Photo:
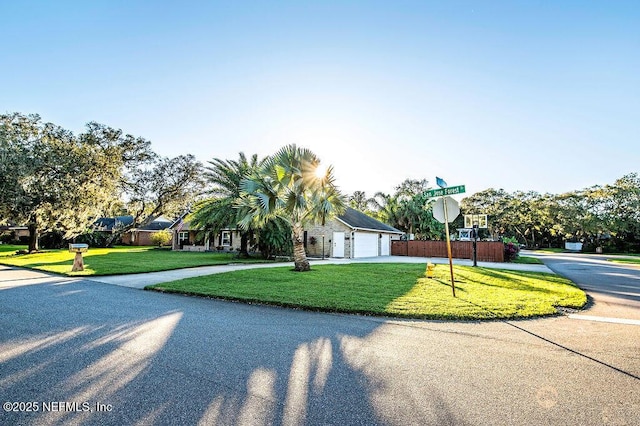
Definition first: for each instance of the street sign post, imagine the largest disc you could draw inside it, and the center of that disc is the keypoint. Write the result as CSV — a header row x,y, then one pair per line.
x,y
446,227
441,211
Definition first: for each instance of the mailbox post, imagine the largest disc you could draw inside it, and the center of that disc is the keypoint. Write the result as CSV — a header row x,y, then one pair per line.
x,y
78,262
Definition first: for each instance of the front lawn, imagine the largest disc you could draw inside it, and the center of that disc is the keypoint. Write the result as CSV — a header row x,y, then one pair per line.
x,y
10,249
119,260
627,260
393,290
528,260
550,250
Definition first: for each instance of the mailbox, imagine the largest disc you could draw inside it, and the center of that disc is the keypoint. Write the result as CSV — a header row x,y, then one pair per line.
x,y
78,248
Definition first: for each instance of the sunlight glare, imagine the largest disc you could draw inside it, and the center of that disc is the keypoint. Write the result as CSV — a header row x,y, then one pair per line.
x,y
321,171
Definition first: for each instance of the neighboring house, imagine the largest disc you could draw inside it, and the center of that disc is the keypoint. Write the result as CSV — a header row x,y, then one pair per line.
x,y
351,235
142,236
17,232
187,238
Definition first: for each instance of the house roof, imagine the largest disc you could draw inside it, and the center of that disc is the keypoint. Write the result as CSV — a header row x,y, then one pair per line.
x,y
359,221
109,223
186,226
10,226
157,224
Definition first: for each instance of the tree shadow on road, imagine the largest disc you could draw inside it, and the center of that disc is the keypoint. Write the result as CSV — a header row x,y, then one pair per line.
x,y
114,355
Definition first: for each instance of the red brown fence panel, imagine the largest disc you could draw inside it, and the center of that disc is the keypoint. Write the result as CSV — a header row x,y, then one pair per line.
x,y
487,251
399,248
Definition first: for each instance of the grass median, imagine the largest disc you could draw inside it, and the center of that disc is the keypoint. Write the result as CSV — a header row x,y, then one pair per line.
x,y
117,260
399,290
625,260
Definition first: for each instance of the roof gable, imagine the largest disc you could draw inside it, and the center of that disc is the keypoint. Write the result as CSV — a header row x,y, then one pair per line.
x,y
358,220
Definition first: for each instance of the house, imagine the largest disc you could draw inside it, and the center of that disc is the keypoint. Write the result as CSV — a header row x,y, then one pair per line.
x,y
188,238
142,236
14,233
352,234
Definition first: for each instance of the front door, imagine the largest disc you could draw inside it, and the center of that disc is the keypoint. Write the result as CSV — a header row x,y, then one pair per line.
x,y
338,244
385,245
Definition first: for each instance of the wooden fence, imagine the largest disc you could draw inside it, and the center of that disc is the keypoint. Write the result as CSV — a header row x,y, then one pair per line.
x,y
488,251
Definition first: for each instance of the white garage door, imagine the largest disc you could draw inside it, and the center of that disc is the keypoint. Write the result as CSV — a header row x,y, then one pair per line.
x,y
365,244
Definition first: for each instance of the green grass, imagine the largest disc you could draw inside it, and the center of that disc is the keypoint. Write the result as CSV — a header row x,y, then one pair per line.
x,y
117,260
550,250
399,290
528,260
10,249
628,260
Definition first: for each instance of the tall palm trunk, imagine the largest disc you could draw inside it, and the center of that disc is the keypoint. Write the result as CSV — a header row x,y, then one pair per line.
x,y
299,255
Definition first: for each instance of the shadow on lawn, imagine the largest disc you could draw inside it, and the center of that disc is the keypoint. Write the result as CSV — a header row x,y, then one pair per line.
x,y
514,280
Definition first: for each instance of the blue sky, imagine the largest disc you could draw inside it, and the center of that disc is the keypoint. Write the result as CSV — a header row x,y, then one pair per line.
x,y
520,95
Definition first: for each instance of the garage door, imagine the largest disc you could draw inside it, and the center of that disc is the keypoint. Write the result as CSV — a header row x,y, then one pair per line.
x,y
365,244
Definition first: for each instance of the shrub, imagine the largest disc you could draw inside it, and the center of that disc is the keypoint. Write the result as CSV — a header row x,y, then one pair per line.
x,y
50,240
7,237
161,238
511,249
94,239
274,239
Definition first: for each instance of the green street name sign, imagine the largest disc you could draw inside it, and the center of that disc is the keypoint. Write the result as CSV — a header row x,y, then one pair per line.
x,y
445,191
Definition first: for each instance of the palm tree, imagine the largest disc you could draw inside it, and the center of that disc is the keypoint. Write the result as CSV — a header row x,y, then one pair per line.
x,y
359,201
385,208
291,187
217,212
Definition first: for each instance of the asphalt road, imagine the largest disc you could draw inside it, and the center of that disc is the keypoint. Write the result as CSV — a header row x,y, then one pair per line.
x,y
83,352
613,288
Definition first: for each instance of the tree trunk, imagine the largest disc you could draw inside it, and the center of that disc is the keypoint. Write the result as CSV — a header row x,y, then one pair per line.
x,y
244,244
33,238
533,237
299,255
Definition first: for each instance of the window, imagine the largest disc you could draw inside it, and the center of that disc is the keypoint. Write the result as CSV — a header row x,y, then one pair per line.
x,y
183,236
226,238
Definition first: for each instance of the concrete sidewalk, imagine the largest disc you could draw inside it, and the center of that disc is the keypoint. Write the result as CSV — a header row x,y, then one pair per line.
x,y
150,278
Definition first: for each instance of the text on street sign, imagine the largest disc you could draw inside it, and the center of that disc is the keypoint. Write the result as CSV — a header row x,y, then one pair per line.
x,y
460,189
